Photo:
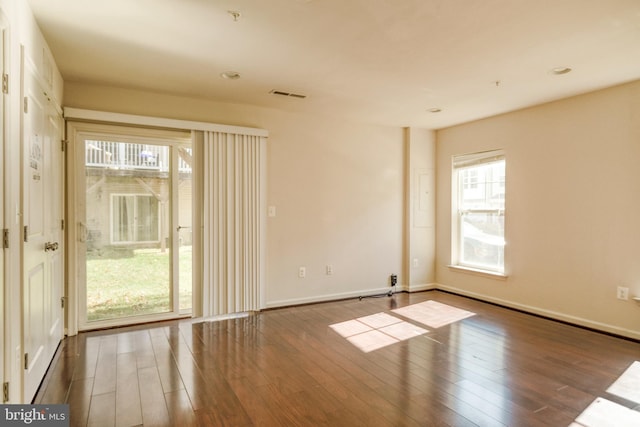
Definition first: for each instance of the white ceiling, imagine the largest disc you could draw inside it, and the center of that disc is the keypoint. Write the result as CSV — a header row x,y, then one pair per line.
x,y
382,61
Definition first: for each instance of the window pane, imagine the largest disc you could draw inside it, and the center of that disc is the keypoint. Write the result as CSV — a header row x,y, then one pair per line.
x,y
185,231
482,240
483,186
127,262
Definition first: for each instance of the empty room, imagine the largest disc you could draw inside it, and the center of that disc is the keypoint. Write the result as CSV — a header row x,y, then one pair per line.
x,y
321,212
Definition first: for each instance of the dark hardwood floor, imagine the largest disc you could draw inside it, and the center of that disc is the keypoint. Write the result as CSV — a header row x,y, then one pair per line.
x,y
288,367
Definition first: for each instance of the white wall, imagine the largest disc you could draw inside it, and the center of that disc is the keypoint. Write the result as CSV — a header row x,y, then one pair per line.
x,y
572,206
337,186
420,195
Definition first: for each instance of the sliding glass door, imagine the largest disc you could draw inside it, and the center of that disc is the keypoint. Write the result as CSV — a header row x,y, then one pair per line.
x,y
134,210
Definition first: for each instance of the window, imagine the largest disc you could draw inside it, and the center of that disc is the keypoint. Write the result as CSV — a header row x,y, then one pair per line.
x,y
478,205
135,218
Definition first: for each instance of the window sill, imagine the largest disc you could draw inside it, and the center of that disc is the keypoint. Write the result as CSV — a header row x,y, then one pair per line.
x,y
478,272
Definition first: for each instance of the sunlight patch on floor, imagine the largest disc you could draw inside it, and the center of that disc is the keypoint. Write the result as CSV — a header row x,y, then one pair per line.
x,y
433,314
604,413
403,330
379,320
376,331
379,330
372,340
627,385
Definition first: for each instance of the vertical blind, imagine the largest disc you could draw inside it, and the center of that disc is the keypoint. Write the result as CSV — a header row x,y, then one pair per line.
x,y
233,223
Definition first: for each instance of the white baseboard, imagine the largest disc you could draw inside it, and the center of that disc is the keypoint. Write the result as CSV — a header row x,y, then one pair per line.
x,y
604,327
324,298
420,288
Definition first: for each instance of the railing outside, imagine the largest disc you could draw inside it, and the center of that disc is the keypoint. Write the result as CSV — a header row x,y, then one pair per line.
x,y
120,155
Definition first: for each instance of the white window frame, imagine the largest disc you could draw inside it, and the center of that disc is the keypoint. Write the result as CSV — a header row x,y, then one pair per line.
x,y
459,164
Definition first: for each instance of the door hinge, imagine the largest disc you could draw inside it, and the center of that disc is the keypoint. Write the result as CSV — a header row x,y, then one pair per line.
x,y
5,83
62,300
26,361
5,238
64,144
26,233
5,392
62,224
26,105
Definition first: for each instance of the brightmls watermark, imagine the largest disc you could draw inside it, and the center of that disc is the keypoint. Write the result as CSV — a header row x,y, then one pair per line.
x,y
34,415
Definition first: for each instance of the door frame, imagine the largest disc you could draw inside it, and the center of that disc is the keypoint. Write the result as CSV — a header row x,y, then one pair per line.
x,y
76,230
5,354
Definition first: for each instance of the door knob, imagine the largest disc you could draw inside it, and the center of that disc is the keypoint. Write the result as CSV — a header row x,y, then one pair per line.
x,y
51,246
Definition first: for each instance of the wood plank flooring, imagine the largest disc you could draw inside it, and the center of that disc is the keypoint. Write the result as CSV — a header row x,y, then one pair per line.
x,y
288,367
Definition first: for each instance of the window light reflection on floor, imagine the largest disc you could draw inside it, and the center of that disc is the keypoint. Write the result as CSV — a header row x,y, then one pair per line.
x,y
376,331
627,385
379,330
433,314
602,412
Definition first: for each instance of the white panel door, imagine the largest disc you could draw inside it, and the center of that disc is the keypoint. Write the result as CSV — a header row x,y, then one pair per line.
x,y
41,215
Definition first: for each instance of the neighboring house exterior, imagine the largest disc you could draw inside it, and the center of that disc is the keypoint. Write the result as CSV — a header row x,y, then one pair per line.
x,y
128,188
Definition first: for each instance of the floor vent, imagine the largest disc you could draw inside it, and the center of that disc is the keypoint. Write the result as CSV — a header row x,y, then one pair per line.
x,y
282,93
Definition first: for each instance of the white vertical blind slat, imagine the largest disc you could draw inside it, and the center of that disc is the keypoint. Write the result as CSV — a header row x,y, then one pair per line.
x,y
233,247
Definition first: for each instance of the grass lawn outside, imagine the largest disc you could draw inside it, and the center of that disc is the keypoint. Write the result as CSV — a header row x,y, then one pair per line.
x,y
124,283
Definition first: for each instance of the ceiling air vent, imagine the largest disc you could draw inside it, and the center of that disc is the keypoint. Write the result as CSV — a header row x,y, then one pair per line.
x,y
282,93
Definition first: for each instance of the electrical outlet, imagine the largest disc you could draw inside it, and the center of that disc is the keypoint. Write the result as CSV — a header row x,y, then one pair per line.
x,y
302,272
329,270
623,293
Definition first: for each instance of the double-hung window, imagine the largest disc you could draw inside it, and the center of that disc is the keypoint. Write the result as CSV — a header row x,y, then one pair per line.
x,y
478,207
